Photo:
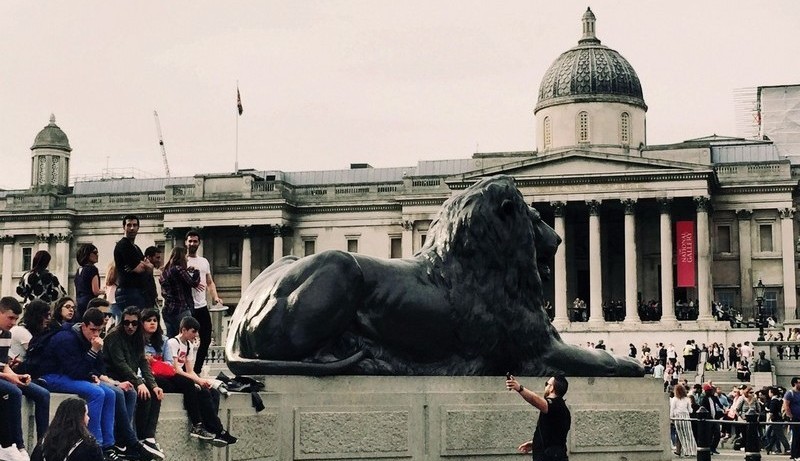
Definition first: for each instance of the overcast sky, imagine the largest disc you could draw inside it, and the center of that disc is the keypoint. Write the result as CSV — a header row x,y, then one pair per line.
x,y
327,83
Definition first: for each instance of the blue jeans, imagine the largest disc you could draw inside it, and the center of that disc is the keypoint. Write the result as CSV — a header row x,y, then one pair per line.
x,y
41,400
100,400
129,297
124,408
13,413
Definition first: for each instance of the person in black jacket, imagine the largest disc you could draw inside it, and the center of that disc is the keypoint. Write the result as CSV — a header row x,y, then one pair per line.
x,y
710,402
68,437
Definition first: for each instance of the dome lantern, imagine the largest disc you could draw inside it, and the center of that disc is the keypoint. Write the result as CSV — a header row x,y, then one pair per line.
x,y
588,28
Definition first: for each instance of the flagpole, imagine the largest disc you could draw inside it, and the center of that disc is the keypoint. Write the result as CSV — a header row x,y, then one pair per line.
x,y
236,161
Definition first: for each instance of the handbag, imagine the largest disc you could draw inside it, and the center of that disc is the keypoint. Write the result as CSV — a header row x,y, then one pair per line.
x,y
162,369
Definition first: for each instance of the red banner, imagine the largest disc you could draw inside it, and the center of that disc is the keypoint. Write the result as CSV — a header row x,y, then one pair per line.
x,y
685,253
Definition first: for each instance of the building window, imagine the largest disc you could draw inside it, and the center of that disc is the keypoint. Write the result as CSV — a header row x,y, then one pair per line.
x,y
352,245
726,298
625,128
723,239
583,127
234,254
771,303
548,133
765,233
26,258
309,247
422,239
396,250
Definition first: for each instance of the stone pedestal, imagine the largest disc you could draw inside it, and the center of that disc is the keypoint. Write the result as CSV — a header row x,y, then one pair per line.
x,y
420,418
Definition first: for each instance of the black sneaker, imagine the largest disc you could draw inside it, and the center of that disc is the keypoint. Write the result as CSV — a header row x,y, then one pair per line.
x,y
227,437
110,454
153,449
200,432
218,441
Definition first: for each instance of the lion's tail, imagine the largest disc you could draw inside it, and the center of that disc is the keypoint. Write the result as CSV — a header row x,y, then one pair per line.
x,y
242,366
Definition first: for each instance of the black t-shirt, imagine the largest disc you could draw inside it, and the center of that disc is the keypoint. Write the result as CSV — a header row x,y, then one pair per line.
x,y
552,427
127,256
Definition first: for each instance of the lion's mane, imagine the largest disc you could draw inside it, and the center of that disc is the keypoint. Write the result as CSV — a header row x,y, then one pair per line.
x,y
482,248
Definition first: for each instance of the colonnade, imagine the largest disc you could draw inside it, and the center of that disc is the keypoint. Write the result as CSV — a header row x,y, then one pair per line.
x,y
631,262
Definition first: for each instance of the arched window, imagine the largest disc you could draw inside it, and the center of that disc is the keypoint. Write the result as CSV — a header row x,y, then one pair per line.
x,y
625,128
583,127
548,133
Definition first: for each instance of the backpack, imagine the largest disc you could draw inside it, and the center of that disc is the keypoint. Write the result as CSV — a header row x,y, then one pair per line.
x,y
35,357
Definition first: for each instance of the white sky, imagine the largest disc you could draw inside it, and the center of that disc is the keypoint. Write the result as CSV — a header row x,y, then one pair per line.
x,y
327,83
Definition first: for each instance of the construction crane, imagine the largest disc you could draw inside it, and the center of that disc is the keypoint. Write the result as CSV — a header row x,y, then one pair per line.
x,y
161,143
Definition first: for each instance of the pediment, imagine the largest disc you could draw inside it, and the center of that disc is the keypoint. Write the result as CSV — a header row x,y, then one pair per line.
x,y
585,164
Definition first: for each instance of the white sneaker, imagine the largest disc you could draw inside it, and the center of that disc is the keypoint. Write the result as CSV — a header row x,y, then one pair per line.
x,y
12,453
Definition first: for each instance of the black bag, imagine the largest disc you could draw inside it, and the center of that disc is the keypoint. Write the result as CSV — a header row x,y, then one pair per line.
x,y
34,358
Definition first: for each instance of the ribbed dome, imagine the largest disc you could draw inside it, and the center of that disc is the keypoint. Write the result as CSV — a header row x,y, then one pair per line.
x,y
51,137
590,72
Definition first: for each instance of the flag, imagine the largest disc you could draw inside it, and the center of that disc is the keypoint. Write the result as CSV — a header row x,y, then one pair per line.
x,y
239,101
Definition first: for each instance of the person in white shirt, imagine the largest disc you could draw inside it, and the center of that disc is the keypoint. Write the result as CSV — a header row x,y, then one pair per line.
x,y
183,353
200,310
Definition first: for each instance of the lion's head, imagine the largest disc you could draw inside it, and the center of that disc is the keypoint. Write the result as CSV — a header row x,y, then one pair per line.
x,y
491,249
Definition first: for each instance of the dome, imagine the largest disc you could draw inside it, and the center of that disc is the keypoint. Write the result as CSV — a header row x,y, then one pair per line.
x,y
51,137
590,72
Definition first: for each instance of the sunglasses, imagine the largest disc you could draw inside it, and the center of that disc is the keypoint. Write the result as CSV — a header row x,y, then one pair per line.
x,y
132,323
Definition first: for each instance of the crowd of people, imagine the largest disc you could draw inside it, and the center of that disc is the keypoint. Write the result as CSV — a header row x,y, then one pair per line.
x,y
772,404
108,348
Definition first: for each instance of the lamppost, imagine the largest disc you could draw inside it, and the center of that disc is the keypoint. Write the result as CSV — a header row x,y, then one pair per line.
x,y
760,301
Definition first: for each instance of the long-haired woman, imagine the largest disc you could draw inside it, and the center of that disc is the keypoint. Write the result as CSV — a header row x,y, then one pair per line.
x,y
63,312
68,437
177,282
111,290
33,324
680,407
87,278
39,283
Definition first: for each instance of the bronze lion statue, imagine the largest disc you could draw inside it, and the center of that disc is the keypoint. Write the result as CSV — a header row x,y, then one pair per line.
x,y
468,303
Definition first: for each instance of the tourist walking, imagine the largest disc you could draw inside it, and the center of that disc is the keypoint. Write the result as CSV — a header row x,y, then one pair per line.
x,y
200,310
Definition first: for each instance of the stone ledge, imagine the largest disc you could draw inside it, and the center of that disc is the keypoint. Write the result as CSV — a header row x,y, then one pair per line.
x,y
417,418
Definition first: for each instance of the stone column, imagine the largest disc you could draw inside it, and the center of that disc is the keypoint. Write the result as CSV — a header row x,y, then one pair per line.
x,y
746,257
6,288
667,281
560,268
595,264
246,257
277,242
704,294
408,238
631,264
43,241
169,242
787,248
62,260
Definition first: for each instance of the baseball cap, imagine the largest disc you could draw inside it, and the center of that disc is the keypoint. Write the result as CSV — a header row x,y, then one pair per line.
x,y
707,387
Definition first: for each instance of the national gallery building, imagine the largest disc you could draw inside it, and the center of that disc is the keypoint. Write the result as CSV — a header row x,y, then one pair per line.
x,y
663,232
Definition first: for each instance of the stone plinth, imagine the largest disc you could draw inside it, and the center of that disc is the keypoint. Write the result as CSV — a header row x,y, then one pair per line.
x,y
421,418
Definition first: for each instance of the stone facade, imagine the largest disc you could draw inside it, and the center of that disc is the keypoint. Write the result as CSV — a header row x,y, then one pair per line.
x,y
615,204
